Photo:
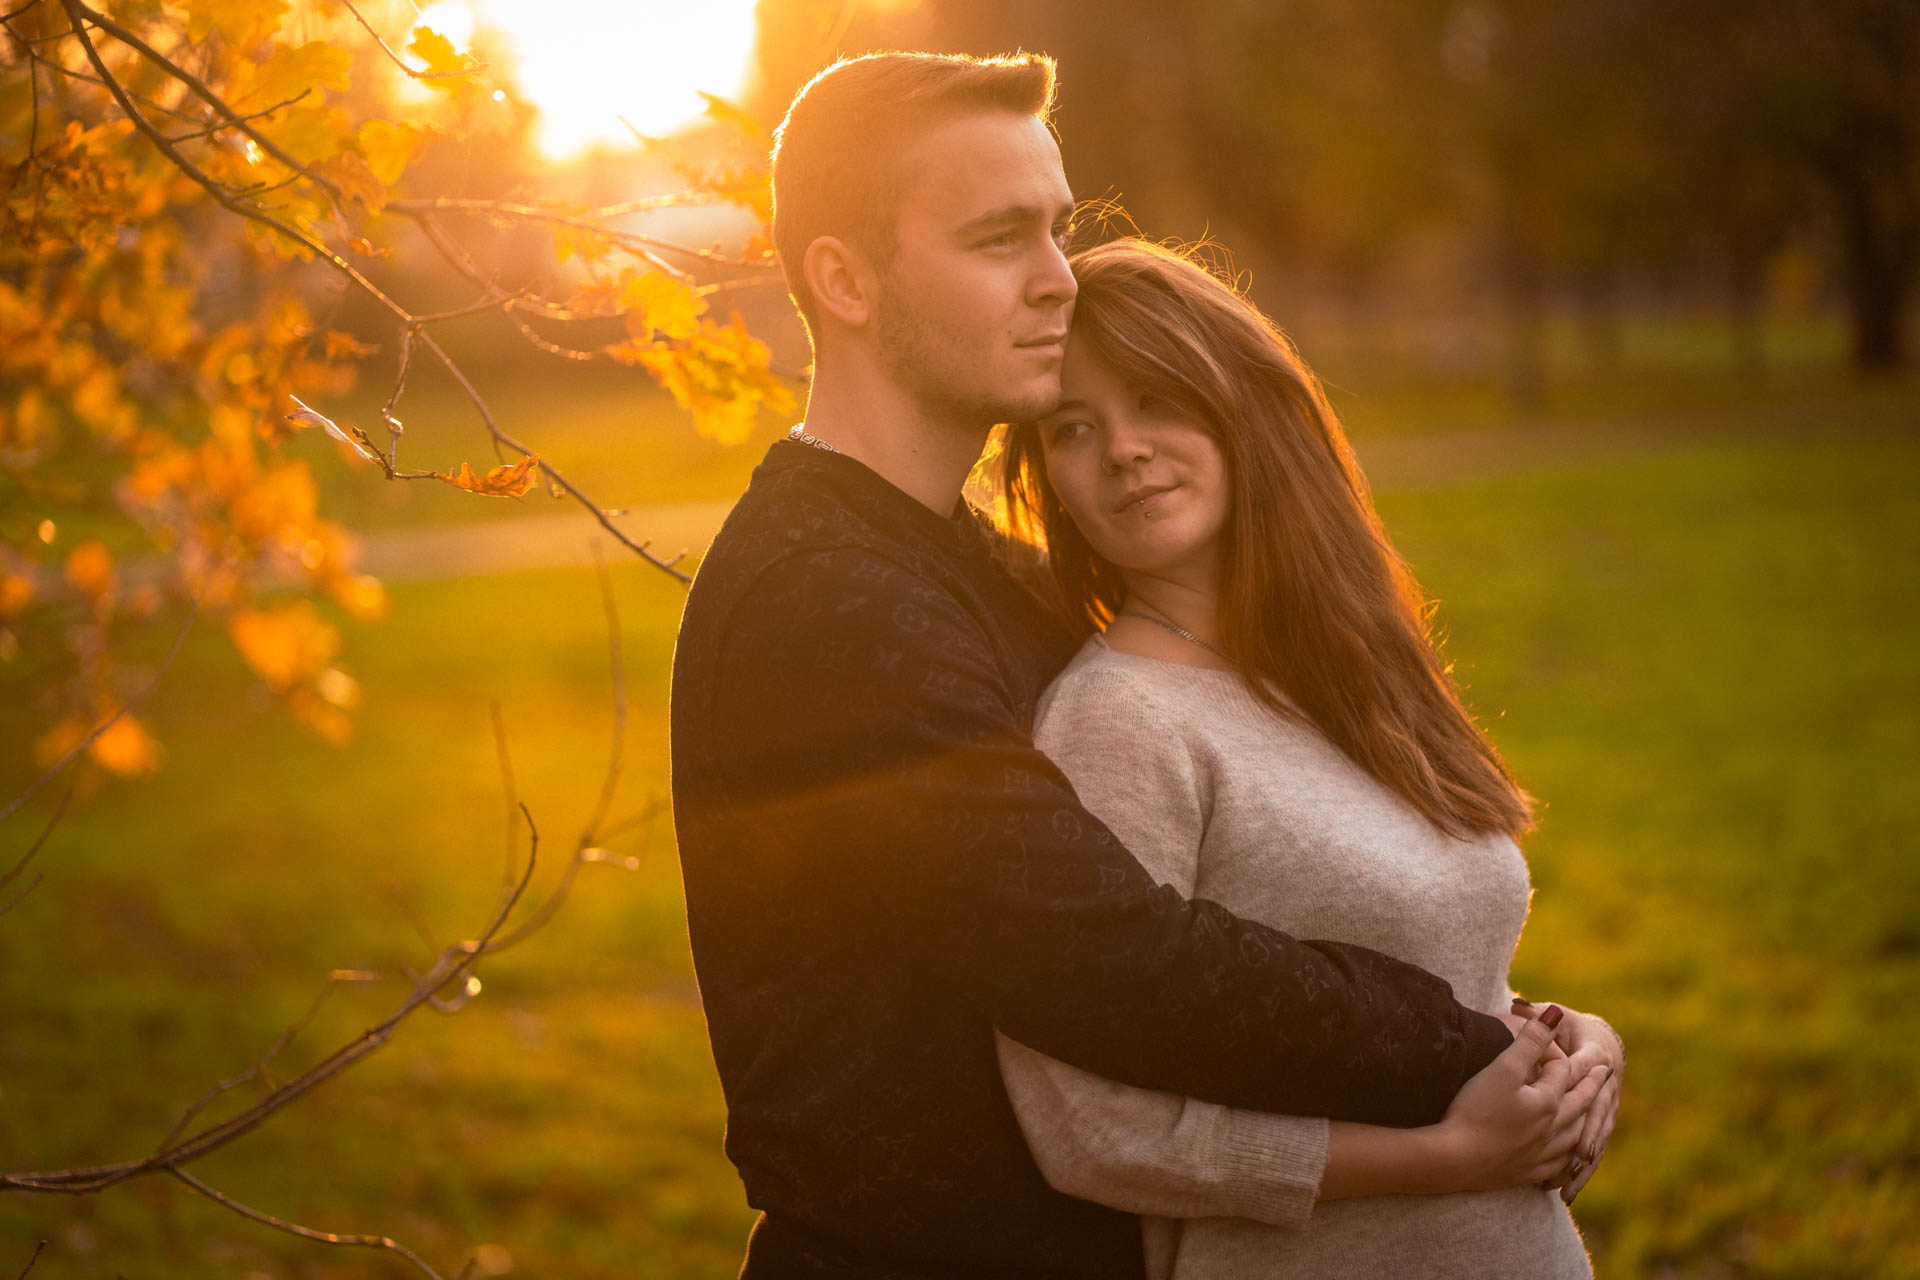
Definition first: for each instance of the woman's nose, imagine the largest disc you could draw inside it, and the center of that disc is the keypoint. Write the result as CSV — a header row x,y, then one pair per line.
x,y
1124,448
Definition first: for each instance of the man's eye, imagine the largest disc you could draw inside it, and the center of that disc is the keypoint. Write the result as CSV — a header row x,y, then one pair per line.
x,y
1062,233
1000,241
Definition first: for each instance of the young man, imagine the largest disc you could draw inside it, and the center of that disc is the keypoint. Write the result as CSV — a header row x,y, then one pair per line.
x,y
880,868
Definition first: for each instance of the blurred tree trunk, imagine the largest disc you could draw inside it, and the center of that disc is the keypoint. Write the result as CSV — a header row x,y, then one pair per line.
x,y
1879,221
1746,296
1600,321
1521,287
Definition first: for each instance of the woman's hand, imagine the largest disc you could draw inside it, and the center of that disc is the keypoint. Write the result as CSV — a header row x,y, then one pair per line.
x,y
1590,1045
1520,1119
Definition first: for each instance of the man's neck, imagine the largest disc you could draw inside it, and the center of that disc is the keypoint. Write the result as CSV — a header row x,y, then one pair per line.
x,y
916,451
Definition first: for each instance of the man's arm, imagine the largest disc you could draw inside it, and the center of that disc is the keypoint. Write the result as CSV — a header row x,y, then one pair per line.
x,y
879,759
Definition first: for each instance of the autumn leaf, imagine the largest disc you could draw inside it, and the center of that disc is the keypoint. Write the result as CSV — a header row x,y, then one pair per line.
x,y
304,415
656,302
286,645
344,346
291,70
236,20
509,480
89,568
349,171
389,147
126,749
731,113
434,49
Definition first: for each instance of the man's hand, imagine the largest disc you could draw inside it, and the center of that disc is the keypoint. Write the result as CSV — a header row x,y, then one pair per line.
x,y
1519,1120
1589,1044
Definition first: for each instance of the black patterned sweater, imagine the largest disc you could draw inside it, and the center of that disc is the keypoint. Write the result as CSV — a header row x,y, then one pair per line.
x,y
880,868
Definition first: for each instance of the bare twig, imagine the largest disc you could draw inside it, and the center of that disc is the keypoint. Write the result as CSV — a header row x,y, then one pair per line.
x,y
217,126
259,1069
386,1243
646,815
453,963
506,782
617,669
644,246
77,10
27,857
587,849
227,200
400,62
74,754
43,1244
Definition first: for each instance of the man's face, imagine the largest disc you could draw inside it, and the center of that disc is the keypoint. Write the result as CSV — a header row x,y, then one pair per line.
x,y
973,309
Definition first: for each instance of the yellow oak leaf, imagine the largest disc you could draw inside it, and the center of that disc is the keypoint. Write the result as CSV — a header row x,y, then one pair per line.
x,y
349,171
235,20
291,70
509,480
389,148
656,302
438,53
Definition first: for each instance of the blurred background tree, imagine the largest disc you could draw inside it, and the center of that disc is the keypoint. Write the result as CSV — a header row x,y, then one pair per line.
x,y
217,208
1413,152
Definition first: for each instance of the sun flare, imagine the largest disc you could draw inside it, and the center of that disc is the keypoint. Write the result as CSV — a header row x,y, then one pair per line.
x,y
589,64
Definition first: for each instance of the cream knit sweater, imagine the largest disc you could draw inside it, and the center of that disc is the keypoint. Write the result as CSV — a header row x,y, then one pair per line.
x,y
1224,799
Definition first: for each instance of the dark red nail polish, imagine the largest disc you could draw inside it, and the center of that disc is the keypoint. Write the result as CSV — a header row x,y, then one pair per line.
x,y
1553,1015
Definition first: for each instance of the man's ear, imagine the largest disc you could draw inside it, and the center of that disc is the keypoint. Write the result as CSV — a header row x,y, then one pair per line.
x,y
843,281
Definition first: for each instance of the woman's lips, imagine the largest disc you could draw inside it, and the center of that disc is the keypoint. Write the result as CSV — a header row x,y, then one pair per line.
x,y
1140,497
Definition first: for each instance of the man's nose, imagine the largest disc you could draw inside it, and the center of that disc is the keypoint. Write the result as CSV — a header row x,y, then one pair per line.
x,y
1053,283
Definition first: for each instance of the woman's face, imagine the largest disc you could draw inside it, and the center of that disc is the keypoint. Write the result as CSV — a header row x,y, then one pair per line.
x,y
1146,485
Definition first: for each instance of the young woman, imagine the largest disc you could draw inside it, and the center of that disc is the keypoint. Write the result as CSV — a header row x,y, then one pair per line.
x,y
1260,715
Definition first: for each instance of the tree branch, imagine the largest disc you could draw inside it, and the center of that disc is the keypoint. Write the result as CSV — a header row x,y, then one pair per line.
x,y
453,962
74,754
27,857
226,199
400,62
386,1243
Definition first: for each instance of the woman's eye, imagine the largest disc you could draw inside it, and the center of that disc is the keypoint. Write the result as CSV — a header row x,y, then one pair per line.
x,y
1065,431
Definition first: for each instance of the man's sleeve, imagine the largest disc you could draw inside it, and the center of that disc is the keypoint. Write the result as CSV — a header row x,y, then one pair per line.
x,y
868,750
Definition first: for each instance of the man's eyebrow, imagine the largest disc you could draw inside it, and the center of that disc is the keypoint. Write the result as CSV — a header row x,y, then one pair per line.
x,y
1014,214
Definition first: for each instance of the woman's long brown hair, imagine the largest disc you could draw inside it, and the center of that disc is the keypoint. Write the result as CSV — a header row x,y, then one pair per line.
x,y
1316,607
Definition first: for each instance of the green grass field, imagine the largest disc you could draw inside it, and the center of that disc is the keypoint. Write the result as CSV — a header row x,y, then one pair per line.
x,y
1700,656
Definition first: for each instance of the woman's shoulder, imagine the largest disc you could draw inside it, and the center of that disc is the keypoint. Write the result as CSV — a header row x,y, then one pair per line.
x,y
1104,686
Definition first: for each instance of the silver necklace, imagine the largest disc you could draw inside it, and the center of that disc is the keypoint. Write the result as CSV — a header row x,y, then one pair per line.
x,y
799,436
1178,630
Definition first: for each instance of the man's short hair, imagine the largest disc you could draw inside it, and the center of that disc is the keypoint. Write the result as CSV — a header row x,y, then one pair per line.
x,y
837,155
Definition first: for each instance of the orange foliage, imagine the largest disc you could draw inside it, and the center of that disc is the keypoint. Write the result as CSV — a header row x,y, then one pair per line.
x,y
509,480
151,342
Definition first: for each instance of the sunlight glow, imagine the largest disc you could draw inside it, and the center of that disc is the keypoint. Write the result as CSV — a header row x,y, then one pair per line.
x,y
587,63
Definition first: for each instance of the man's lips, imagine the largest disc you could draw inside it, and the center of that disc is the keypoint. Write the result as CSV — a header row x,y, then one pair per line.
x,y
1056,342
1135,496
